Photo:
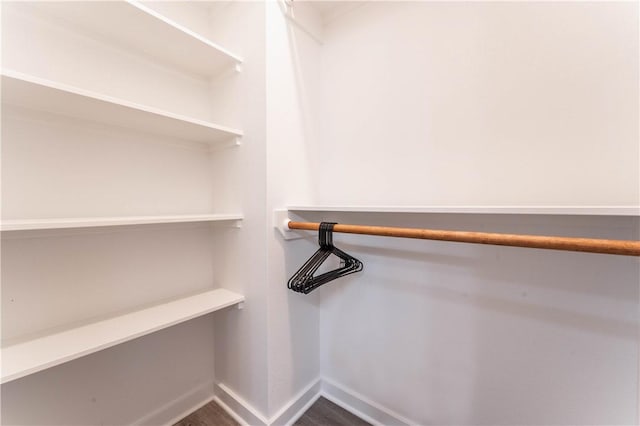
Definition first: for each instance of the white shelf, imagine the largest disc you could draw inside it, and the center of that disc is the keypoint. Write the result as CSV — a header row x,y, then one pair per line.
x,y
46,351
94,222
43,95
535,210
134,26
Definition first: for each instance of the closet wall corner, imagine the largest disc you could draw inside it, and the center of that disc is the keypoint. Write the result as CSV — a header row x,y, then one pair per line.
x,y
126,202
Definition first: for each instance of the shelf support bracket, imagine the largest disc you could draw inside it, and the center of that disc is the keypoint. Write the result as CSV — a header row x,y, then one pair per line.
x,y
232,142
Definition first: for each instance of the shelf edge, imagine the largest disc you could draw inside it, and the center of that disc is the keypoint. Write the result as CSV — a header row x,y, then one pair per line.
x,y
66,223
185,30
99,97
531,210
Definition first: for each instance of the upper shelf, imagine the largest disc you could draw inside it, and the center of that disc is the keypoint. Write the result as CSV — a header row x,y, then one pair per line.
x,y
536,210
95,222
44,95
134,26
51,349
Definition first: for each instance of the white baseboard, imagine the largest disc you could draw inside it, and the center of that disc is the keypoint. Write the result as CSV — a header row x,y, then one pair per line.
x,y
238,408
350,400
245,414
229,411
185,405
361,406
300,403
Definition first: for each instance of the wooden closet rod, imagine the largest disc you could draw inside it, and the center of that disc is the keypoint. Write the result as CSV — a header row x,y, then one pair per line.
x,y
590,245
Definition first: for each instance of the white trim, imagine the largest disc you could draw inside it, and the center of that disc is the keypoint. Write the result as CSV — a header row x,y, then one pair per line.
x,y
229,411
99,222
340,395
361,406
245,414
286,7
297,406
193,400
534,210
238,408
184,29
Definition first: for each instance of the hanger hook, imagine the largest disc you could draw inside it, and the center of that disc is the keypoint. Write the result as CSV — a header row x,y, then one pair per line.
x,y
322,235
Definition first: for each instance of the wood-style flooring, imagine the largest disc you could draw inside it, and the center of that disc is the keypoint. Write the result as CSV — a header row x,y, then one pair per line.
x,y
325,413
322,413
209,415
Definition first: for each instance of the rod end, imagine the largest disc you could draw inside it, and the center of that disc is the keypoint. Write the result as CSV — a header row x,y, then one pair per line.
x,y
281,223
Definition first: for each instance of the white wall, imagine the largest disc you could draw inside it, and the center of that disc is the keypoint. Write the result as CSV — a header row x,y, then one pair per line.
x,y
239,181
446,333
451,103
293,79
507,103
60,167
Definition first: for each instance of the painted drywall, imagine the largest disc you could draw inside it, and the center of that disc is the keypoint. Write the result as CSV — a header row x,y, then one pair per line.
x,y
61,167
509,103
239,182
447,333
70,276
292,100
517,103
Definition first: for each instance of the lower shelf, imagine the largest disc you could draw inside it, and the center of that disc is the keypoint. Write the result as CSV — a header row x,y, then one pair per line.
x,y
47,351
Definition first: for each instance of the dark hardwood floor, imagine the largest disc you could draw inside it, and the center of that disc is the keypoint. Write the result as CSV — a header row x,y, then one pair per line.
x,y
209,415
322,413
325,413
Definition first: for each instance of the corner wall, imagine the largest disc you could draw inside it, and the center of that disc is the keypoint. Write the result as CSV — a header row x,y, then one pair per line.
x,y
448,103
293,72
239,180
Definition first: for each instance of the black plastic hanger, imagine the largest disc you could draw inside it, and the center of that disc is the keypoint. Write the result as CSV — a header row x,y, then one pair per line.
x,y
303,281
302,277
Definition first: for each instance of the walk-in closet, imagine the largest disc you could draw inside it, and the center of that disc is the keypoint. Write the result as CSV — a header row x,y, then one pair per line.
x,y
320,212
